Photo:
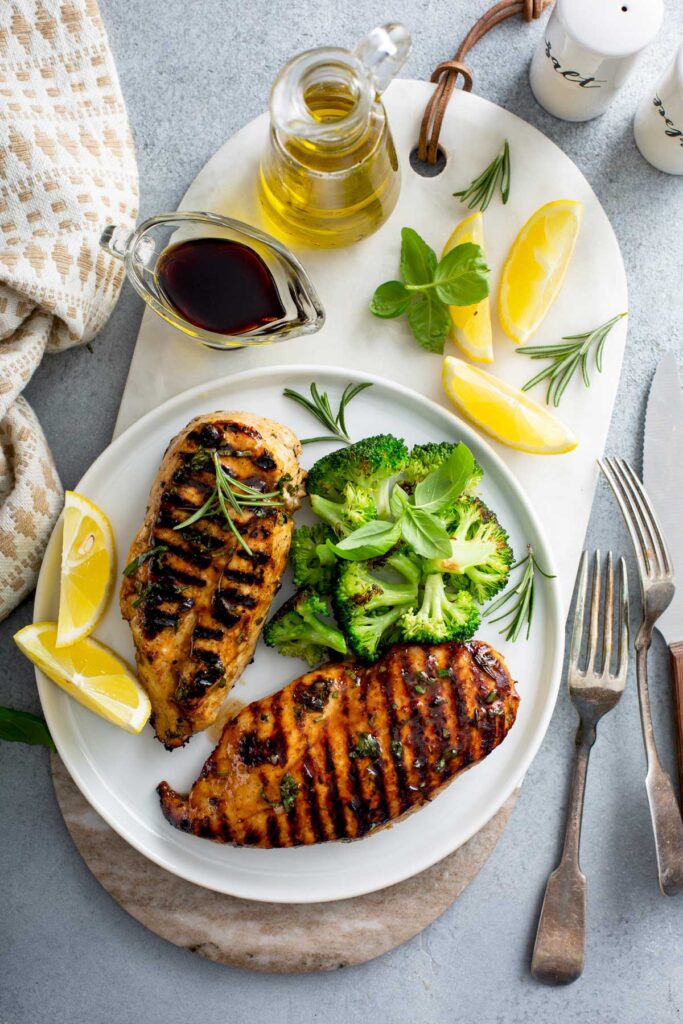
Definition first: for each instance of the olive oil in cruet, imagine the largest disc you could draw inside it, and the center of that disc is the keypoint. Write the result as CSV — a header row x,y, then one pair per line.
x,y
329,175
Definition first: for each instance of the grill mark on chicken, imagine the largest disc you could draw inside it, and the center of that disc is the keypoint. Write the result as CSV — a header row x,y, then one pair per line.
x,y
199,582
204,633
373,774
395,744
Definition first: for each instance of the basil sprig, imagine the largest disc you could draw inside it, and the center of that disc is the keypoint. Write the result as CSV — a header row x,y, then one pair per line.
x,y
415,520
430,286
23,727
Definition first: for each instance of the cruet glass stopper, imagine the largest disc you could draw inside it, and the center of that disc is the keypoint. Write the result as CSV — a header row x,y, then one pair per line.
x,y
384,51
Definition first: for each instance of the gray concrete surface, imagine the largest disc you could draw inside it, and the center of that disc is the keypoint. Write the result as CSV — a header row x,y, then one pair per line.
x,y
193,73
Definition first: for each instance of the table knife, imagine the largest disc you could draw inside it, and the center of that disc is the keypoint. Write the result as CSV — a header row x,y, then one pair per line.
x,y
663,479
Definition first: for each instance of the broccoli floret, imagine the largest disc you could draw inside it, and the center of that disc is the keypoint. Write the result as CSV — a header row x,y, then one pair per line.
x,y
312,560
370,633
480,556
406,564
371,465
356,508
357,589
425,458
298,631
440,617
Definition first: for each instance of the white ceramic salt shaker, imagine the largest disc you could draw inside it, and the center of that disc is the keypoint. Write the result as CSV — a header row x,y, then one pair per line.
x,y
587,52
658,125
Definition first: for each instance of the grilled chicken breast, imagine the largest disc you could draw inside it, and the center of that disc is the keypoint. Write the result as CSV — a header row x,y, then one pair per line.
x,y
344,749
196,600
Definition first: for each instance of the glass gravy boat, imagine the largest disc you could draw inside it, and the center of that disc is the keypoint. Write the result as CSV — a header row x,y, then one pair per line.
x,y
329,175
222,282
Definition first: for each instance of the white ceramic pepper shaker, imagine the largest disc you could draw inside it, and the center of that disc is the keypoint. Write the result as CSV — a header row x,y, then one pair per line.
x,y
587,52
658,125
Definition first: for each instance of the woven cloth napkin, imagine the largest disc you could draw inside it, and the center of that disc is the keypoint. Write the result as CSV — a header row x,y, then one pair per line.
x,y
67,168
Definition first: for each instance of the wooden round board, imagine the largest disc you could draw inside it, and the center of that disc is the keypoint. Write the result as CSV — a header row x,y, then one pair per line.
x,y
281,937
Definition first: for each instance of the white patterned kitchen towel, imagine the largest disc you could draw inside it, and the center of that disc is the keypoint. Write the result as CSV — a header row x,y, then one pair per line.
x,y
67,168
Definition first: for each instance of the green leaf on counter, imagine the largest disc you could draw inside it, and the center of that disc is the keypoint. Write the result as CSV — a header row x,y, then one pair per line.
x,y
23,727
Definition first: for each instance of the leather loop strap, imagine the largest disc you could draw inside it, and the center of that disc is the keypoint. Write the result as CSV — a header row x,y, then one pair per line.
x,y
447,73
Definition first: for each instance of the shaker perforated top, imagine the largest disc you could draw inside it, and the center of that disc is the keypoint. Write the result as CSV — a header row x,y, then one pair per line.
x,y
613,28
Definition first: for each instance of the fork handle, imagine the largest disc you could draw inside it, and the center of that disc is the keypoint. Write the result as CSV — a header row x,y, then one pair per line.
x,y
676,652
560,945
666,815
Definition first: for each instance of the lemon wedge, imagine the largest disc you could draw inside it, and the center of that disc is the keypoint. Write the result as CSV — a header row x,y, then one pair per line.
x,y
90,673
88,566
503,411
471,324
536,266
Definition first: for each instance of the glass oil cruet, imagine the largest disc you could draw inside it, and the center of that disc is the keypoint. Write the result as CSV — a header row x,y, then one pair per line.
x,y
329,175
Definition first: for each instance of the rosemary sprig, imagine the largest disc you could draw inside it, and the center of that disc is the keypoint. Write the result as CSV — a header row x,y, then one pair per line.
x,y
319,406
479,192
235,493
566,357
520,611
143,557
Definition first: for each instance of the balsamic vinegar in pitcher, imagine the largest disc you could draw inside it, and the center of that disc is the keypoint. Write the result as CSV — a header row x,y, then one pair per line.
x,y
219,285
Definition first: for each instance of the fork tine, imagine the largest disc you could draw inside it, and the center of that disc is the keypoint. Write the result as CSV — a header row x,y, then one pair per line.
x,y
608,624
640,520
644,536
577,632
593,626
608,468
650,515
622,655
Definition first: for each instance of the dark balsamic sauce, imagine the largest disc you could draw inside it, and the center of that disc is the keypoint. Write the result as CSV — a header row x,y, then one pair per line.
x,y
218,285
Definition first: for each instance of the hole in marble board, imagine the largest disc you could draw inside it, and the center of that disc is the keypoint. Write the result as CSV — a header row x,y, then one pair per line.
x,y
425,169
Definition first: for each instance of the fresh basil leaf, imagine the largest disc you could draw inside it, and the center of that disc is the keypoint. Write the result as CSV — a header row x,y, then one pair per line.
x,y
424,533
460,278
398,501
429,321
390,299
368,541
447,482
23,727
418,261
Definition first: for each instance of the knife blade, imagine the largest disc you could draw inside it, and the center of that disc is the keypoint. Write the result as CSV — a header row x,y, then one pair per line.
x,y
663,479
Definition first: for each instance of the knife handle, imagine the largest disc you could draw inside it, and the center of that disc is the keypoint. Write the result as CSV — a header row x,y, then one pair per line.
x,y
676,652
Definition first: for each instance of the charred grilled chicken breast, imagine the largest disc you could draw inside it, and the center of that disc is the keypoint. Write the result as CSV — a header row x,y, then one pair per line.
x,y
343,750
195,599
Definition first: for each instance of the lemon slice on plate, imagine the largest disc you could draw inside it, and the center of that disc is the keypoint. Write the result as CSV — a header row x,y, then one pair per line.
x,y
471,324
503,411
88,565
90,673
536,266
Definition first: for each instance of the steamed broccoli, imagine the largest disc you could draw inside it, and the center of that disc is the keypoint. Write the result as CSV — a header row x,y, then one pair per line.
x,y
312,561
425,458
370,633
481,556
355,508
357,590
370,466
298,631
441,616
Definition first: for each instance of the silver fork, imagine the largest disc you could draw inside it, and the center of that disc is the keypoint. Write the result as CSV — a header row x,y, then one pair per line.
x,y
657,587
559,949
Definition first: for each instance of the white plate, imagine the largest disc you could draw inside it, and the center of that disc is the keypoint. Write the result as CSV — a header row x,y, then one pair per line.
x,y
118,773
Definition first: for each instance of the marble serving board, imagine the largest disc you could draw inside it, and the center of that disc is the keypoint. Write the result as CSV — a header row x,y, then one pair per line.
x,y
561,488
323,936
